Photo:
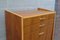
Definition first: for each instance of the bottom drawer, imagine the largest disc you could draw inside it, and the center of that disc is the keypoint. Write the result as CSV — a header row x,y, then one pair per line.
x,y
38,33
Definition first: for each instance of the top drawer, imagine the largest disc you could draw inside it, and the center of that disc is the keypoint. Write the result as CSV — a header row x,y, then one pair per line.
x,y
39,19
42,18
51,16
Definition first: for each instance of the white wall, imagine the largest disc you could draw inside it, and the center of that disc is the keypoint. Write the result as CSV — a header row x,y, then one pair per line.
x,y
48,4
2,20
21,4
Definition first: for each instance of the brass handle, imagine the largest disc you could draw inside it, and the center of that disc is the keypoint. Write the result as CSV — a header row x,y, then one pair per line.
x,y
41,33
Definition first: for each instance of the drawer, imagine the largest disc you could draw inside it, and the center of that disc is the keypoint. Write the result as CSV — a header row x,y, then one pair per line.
x,y
40,22
27,32
42,29
50,21
51,16
27,21
35,31
42,36
49,30
37,27
39,19
43,17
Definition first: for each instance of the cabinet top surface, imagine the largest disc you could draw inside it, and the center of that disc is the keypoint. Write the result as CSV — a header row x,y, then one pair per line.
x,y
30,13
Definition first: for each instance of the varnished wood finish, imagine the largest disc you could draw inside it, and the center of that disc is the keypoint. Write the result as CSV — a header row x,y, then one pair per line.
x,y
50,27
29,24
27,29
13,26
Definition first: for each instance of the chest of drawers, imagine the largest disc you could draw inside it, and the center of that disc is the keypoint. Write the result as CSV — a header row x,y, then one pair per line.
x,y
29,24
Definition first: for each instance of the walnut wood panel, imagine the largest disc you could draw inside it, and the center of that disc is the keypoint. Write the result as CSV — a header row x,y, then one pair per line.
x,y
13,27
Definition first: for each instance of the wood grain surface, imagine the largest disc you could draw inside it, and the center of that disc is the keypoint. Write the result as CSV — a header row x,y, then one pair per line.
x,y
13,26
28,26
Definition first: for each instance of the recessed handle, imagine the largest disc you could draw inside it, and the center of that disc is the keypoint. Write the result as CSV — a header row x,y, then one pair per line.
x,y
42,25
41,33
42,18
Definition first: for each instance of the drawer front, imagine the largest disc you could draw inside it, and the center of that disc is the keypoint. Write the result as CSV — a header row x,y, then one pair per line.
x,y
50,28
42,27
40,19
38,33
35,32
39,27
51,16
27,21
27,29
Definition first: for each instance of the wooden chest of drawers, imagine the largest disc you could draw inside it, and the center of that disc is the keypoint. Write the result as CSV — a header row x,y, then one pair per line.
x,y
29,24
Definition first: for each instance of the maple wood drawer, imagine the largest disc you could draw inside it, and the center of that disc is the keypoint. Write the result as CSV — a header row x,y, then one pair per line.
x,y
40,19
51,16
43,17
27,21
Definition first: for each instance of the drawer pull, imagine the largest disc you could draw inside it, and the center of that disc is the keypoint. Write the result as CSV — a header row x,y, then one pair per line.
x,y
42,18
41,33
42,25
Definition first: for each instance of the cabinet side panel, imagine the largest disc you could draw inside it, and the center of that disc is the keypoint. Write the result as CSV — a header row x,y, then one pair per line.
x,y
8,25
13,26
